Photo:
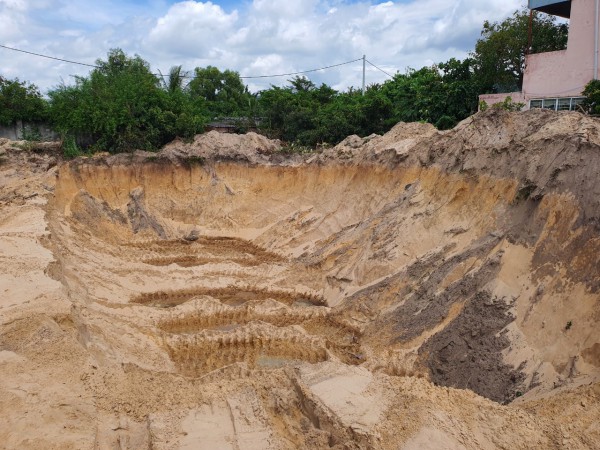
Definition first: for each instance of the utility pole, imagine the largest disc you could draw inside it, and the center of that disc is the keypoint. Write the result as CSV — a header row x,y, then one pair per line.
x,y
530,33
364,72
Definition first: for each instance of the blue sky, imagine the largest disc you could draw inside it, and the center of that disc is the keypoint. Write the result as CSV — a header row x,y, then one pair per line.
x,y
254,37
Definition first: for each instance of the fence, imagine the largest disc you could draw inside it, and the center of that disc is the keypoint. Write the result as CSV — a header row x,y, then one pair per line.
x,y
24,130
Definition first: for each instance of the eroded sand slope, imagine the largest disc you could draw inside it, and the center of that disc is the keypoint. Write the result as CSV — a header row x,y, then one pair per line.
x,y
416,290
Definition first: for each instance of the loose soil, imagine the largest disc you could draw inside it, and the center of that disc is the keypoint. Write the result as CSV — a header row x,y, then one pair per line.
x,y
416,290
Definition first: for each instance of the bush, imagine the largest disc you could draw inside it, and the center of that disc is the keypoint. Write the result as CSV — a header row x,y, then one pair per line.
x,y
123,106
70,148
592,97
509,105
20,100
445,123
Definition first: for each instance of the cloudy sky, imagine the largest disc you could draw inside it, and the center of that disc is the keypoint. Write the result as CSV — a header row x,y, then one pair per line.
x,y
254,37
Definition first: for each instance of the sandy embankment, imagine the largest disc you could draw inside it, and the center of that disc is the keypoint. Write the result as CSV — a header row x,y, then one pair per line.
x,y
391,292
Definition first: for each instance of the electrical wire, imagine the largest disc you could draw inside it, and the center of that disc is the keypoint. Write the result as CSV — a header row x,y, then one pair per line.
x,y
378,68
303,71
555,94
160,74
49,57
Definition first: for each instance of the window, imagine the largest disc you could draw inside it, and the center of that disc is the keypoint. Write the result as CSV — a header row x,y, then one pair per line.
x,y
564,104
557,104
535,104
576,102
549,103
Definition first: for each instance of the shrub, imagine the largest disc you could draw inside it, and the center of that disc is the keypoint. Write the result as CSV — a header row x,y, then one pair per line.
x,y
509,105
20,100
592,97
123,107
70,148
445,123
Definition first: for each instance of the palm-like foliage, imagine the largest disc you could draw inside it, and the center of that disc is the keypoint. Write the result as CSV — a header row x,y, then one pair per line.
x,y
176,79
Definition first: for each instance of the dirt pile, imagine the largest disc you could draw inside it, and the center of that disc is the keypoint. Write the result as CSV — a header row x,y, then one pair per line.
x,y
420,289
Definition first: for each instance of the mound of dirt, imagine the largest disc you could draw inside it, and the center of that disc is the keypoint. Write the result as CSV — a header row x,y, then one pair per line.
x,y
420,289
249,147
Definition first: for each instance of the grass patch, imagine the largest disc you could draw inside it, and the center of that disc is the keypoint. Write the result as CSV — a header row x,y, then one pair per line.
x,y
294,148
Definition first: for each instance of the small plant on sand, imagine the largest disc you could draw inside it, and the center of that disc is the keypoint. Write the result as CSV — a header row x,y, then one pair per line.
x,y
509,105
70,148
294,147
569,325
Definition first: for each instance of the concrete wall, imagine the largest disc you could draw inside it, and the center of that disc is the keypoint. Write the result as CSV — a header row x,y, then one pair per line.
x,y
15,132
565,73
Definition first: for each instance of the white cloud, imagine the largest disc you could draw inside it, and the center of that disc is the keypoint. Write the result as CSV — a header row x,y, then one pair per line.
x,y
192,29
284,9
254,38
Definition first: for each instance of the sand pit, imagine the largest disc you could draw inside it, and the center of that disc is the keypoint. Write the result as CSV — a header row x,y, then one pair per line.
x,y
399,291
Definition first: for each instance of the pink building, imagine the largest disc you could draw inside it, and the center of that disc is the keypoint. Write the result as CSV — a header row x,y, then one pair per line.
x,y
555,80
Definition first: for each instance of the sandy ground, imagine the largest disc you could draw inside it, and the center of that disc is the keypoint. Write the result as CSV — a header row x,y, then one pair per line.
x,y
418,290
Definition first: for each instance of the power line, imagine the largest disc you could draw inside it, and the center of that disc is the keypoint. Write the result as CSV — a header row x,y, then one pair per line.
x,y
160,74
381,70
49,57
303,71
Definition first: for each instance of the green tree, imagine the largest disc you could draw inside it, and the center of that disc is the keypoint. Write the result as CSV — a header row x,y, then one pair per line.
x,y
175,81
184,115
120,106
461,91
20,100
500,52
223,93
275,104
341,117
418,95
592,96
294,113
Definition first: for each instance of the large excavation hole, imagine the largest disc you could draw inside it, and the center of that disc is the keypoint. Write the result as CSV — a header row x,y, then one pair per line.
x,y
369,265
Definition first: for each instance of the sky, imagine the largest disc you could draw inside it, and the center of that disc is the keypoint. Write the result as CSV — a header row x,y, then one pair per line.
x,y
252,37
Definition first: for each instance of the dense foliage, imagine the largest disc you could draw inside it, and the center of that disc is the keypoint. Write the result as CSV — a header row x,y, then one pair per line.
x,y
122,106
20,100
223,93
592,97
500,52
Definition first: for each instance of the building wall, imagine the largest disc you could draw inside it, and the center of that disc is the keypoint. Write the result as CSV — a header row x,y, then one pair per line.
x,y
492,99
565,73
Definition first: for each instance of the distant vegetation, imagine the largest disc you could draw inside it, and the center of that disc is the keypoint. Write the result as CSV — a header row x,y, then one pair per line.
x,y
122,105
20,100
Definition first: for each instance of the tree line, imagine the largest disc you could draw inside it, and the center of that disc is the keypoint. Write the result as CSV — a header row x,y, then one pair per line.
x,y
121,105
